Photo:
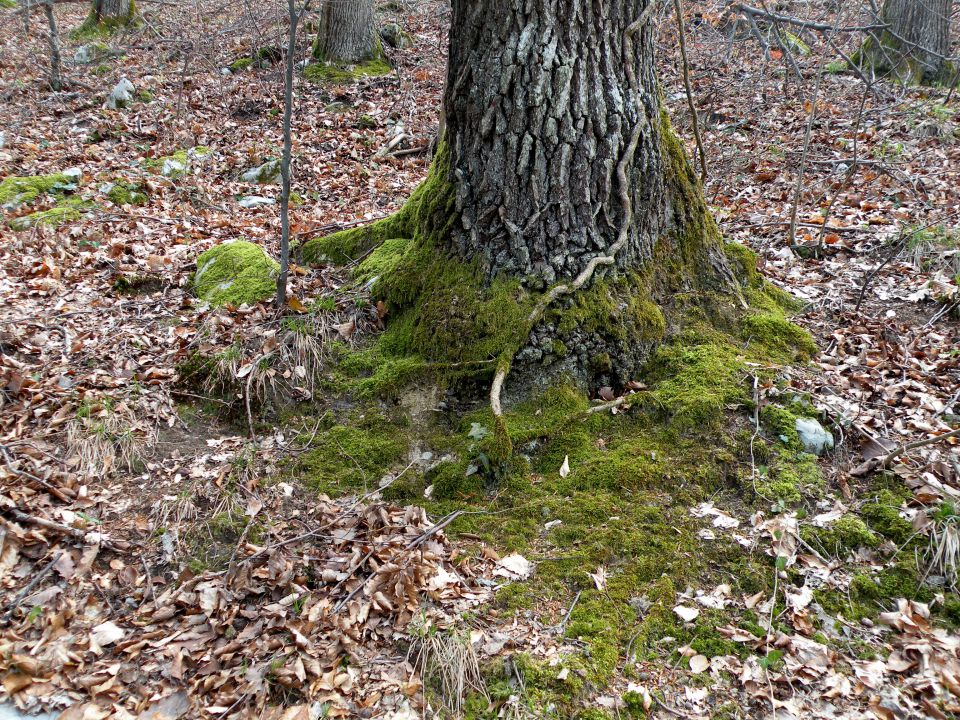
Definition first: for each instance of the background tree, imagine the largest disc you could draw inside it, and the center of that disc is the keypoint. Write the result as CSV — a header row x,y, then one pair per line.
x,y
347,32
915,46
561,215
110,14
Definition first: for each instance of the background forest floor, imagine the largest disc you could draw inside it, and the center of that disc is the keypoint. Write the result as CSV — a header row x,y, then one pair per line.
x,y
165,548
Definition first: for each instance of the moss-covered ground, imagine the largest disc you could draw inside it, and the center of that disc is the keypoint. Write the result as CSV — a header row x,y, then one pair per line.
x,y
698,428
47,196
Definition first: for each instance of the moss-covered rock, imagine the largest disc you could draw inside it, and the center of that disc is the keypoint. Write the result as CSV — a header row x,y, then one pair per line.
x,y
235,273
69,209
240,64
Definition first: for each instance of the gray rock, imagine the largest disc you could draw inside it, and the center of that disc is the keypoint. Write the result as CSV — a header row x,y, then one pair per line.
x,y
815,438
121,96
395,36
266,174
254,201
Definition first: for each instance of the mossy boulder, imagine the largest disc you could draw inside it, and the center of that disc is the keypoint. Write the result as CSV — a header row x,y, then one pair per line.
x,y
92,52
66,210
235,273
266,174
18,192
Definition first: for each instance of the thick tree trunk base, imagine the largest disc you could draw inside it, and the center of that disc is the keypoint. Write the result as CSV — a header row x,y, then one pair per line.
x,y
445,318
884,60
107,16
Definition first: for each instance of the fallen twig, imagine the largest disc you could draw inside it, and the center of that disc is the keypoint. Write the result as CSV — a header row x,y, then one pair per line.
x,y
30,586
877,463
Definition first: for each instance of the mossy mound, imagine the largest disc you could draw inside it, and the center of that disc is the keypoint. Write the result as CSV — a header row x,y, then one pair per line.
x,y
179,163
66,210
235,273
51,190
127,193
240,64
16,191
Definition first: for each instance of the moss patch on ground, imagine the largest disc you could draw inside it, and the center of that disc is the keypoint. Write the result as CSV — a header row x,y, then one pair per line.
x,y
235,273
16,190
126,193
331,73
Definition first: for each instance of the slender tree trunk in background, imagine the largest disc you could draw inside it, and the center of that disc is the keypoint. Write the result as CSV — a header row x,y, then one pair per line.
x,y
53,38
915,46
348,32
287,151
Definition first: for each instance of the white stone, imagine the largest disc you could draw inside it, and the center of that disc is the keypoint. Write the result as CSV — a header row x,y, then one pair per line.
x,y
254,201
121,96
815,438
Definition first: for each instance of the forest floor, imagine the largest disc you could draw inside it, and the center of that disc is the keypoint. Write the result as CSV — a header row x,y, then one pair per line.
x,y
173,546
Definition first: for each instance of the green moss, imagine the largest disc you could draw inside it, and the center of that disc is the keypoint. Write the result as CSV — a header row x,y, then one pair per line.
x,y
845,535
795,44
882,512
235,273
383,260
353,457
124,193
790,477
16,191
66,210
330,73
240,64
179,163
8,4
697,379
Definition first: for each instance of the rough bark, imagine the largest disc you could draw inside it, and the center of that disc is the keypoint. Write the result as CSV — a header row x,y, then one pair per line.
x,y
916,45
544,102
347,32
539,111
111,13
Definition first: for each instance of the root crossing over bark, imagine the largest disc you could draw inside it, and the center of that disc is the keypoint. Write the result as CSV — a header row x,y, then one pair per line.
x,y
503,368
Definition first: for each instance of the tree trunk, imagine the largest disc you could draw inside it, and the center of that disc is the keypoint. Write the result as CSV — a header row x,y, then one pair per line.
x,y
112,13
348,32
539,113
916,44
561,216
